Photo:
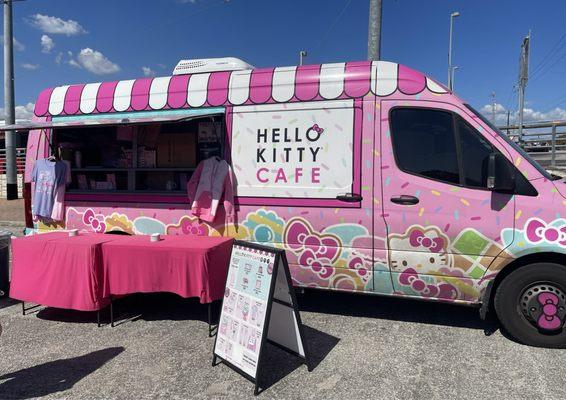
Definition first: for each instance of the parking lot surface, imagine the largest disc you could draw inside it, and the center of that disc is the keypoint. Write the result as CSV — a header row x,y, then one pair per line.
x,y
363,347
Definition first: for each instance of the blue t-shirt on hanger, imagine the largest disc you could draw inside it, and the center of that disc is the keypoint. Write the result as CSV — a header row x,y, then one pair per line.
x,y
48,175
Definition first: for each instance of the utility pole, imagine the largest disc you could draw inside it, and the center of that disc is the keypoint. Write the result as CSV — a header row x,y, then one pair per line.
x,y
523,78
302,55
11,174
455,14
508,120
374,31
493,107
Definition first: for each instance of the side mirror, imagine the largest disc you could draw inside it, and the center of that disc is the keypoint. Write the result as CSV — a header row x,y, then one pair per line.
x,y
500,174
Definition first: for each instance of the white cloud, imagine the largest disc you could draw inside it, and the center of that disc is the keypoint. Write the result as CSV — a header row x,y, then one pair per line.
x,y
47,44
30,67
529,114
18,46
93,61
148,71
72,62
24,112
55,25
59,58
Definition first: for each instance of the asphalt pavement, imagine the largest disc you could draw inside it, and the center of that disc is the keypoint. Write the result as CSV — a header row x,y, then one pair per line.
x,y
363,347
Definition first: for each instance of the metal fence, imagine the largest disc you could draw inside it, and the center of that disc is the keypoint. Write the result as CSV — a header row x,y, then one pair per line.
x,y
544,141
20,160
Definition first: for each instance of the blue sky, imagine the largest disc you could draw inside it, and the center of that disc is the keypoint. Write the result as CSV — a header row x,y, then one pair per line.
x,y
65,41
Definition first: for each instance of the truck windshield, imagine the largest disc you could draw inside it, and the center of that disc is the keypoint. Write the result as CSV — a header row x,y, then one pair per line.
x,y
518,148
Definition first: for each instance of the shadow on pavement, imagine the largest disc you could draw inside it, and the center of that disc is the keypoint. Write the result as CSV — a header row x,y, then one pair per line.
x,y
54,376
277,363
165,306
148,307
395,309
5,302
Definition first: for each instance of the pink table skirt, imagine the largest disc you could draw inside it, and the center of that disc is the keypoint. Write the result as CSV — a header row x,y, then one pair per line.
x,y
81,272
56,270
190,266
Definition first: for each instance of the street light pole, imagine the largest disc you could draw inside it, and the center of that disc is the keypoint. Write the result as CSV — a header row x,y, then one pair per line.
x,y
11,177
453,76
302,55
452,16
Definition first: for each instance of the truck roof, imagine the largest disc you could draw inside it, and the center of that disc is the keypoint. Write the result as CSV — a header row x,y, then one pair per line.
x,y
233,88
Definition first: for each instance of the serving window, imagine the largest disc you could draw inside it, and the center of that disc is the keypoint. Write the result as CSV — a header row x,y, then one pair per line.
x,y
156,158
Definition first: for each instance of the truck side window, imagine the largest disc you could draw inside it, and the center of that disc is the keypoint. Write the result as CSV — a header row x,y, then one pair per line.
x,y
475,155
475,151
424,143
441,145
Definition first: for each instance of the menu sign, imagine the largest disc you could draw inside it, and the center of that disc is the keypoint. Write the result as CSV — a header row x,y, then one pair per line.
x,y
258,294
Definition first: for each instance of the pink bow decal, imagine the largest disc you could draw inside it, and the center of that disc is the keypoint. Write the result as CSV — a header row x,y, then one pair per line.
x,y
90,219
417,239
316,250
549,320
317,129
537,230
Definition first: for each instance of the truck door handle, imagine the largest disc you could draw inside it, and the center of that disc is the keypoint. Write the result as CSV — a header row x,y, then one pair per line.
x,y
349,197
405,200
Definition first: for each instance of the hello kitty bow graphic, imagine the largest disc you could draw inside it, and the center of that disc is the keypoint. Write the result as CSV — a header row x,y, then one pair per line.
x,y
96,222
314,249
549,318
317,132
418,239
537,230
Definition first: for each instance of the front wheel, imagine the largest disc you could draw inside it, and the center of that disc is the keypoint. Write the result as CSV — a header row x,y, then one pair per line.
x,y
531,304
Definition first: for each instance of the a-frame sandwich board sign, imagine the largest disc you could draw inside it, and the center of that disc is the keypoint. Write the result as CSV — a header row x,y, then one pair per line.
x,y
259,306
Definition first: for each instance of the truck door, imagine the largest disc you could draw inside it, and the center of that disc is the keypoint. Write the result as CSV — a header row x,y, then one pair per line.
x,y
443,224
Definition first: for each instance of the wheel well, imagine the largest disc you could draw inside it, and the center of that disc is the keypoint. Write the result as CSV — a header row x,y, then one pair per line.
x,y
558,258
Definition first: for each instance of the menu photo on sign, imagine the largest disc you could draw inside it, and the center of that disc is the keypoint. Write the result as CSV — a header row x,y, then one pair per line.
x,y
257,276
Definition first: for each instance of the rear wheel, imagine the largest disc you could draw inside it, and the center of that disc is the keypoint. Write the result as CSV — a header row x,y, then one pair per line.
x,y
531,304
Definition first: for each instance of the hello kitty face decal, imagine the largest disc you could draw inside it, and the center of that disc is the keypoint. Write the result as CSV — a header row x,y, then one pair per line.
x,y
422,249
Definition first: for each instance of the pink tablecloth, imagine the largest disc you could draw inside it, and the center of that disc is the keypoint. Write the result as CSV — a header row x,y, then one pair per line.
x,y
190,266
56,270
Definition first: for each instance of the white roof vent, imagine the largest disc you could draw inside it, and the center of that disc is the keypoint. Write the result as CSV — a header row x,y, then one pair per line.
x,y
210,65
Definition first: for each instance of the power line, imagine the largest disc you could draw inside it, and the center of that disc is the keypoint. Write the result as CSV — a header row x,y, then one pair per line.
x,y
333,24
548,55
549,68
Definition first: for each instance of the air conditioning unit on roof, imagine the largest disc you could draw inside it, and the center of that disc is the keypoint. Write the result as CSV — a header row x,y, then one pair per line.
x,y
210,65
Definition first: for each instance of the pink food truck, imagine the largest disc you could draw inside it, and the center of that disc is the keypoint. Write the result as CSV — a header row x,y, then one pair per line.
x,y
372,176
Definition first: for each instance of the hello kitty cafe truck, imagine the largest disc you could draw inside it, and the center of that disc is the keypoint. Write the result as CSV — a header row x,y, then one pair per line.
x,y
373,177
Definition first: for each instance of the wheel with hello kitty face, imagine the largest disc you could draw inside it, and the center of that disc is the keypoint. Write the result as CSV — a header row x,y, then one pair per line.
x,y
531,304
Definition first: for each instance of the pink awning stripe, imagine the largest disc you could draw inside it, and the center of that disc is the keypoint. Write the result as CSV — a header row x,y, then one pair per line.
x,y
42,103
260,85
306,82
215,89
73,99
218,88
357,78
177,96
140,94
410,81
105,96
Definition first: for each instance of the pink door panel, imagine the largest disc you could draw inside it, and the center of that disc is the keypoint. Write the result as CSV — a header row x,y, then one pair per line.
x,y
442,236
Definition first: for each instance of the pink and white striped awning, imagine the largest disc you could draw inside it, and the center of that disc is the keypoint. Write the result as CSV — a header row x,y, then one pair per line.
x,y
257,86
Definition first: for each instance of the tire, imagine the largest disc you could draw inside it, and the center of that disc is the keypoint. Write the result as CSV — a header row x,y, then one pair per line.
x,y
531,305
